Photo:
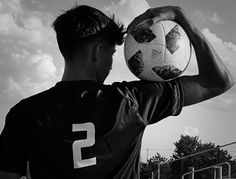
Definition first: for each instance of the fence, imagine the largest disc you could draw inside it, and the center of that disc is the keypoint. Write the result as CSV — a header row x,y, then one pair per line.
x,y
193,155
215,167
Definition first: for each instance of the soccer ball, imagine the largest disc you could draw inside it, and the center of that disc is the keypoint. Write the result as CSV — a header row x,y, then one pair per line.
x,y
157,51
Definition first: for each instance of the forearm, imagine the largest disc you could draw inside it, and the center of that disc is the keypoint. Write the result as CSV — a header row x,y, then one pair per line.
x,y
212,72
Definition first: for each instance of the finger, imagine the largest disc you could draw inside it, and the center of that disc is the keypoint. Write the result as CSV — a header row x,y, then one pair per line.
x,y
163,13
139,19
157,19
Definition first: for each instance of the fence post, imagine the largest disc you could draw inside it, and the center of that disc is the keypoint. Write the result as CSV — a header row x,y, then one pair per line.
x,y
159,171
218,172
191,176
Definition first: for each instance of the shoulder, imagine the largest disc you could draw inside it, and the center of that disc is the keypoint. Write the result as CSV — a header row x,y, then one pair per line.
x,y
137,90
131,85
124,88
33,103
38,98
146,86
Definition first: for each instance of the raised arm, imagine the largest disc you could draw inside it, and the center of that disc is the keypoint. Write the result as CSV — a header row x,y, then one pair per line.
x,y
213,78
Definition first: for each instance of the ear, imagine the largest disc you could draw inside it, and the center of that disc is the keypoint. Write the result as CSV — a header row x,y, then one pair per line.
x,y
98,51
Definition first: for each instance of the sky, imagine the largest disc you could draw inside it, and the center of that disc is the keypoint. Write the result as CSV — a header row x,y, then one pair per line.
x,y
30,62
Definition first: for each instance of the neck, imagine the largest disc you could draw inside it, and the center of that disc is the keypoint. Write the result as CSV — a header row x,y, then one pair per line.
x,y
74,72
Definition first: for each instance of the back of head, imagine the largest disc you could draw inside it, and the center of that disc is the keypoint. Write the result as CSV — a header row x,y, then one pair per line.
x,y
81,24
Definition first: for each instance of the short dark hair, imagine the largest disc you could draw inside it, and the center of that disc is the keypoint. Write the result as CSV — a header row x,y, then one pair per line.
x,y
82,23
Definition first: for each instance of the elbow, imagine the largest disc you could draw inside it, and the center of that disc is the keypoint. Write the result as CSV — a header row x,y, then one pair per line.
x,y
219,85
230,82
226,83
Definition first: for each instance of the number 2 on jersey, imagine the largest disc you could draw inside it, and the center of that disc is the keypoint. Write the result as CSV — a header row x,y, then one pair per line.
x,y
78,144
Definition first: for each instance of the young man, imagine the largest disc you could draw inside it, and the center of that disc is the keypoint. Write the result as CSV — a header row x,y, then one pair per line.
x,y
82,128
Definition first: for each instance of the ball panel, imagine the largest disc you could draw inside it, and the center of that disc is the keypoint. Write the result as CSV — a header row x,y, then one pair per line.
x,y
173,39
185,44
187,52
142,33
130,42
136,64
167,25
177,59
168,57
180,58
167,72
158,30
154,54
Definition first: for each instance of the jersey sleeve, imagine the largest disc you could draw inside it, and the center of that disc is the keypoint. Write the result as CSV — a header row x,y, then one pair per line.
x,y
12,152
157,100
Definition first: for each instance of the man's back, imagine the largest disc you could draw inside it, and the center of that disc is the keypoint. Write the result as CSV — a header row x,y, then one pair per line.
x,y
83,129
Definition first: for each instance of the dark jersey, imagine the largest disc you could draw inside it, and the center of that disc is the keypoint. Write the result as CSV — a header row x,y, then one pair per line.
x,y
83,129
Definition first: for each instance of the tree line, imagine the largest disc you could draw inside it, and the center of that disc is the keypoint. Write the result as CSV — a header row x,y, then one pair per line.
x,y
186,146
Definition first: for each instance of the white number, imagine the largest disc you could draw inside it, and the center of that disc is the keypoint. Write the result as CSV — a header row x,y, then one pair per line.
x,y
78,144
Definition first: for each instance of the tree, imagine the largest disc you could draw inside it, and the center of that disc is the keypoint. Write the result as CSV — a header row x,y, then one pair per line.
x,y
233,164
145,171
151,166
185,146
189,145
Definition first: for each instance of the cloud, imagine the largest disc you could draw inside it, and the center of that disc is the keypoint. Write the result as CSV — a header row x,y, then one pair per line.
x,y
209,16
11,6
191,131
127,10
215,18
8,25
25,74
27,52
32,27
234,36
200,15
